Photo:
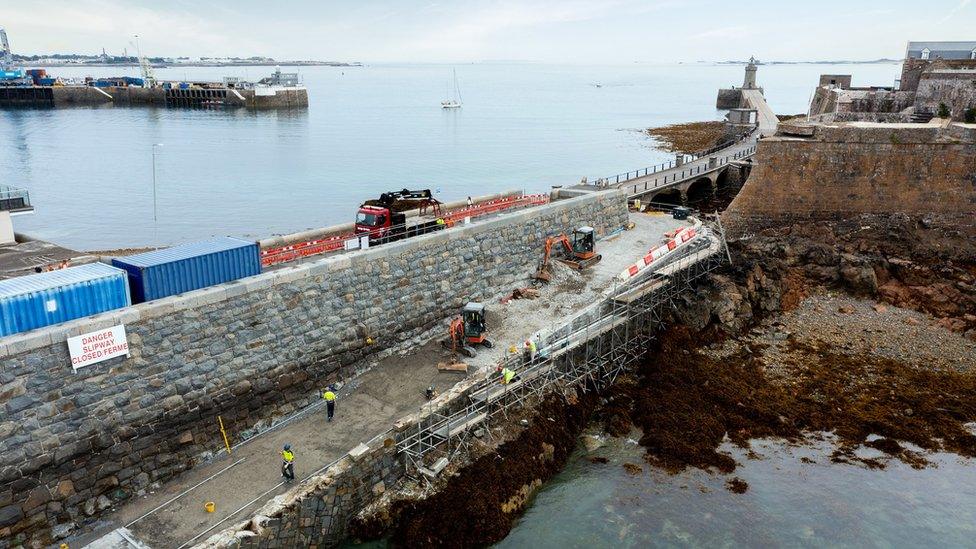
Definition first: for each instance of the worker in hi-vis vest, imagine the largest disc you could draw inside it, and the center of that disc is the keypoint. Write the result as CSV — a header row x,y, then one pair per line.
x,y
508,375
530,350
330,398
288,463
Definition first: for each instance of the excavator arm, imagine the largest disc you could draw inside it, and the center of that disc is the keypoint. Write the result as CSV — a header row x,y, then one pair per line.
x,y
576,260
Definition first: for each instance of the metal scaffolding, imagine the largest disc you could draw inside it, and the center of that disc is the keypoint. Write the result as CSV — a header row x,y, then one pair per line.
x,y
589,350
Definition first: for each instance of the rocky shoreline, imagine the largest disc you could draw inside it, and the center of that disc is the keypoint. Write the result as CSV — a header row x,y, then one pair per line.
x,y
864,328
688,136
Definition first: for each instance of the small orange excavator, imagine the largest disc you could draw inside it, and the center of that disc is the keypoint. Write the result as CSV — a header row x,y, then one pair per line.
x,y
468,330
579,252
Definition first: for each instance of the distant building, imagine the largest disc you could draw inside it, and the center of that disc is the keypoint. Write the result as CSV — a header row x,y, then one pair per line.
x,y
941,50
933,74
842,81
924,58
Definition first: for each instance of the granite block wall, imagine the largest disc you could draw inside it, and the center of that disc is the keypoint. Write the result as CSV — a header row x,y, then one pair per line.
x,y
72,443
846,170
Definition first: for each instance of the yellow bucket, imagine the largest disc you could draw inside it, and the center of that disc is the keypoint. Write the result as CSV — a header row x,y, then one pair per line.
x,y
210,506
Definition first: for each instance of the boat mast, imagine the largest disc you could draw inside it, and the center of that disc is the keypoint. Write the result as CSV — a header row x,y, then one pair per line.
x,y
457,89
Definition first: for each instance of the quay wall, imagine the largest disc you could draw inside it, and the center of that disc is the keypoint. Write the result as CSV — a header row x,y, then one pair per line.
x,y
283,98
65,96
848,170
75,442
79,95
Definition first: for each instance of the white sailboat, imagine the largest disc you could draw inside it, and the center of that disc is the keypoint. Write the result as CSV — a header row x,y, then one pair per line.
x,y
455,101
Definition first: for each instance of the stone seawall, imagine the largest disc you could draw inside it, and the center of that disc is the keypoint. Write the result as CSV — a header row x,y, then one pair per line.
x,y
848,170
72,443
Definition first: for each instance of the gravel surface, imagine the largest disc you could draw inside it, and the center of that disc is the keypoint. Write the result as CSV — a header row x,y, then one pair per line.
x,y
569,291
856,327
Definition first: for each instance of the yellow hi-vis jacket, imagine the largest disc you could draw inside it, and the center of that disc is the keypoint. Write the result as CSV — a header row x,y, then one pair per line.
x,y
329,396
288,456
507,375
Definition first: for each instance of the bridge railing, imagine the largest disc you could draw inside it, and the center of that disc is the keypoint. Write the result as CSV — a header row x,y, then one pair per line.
x,y
685,158
691,171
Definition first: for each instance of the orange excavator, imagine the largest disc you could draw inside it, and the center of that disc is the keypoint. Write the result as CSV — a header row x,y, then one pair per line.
x,y
468,330
579,252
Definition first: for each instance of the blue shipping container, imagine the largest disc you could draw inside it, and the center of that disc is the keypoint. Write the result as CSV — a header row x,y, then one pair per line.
x,y
42,299
161,273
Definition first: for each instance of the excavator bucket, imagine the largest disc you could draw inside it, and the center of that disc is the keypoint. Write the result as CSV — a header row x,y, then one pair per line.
x,y
453,366
543,274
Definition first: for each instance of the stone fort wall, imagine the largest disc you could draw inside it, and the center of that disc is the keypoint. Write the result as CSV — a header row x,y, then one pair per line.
x,y
848,170
71,443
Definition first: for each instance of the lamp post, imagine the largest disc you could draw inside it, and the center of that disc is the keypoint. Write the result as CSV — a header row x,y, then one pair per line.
x,y
155,217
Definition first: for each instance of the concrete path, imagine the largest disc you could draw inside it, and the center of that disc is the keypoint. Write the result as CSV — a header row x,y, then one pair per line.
x,y
768,121
367,406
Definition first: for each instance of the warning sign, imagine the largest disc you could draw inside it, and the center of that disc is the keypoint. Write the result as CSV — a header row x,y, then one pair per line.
x,y
95,347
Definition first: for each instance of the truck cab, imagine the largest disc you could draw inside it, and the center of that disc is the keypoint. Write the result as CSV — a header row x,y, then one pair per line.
x,y
372,219
377,222
385,219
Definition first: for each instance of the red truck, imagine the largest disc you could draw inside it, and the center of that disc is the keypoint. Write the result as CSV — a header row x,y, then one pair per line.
x,y
385,219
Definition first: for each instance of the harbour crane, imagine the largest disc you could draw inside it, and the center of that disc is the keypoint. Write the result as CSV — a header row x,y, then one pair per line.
x,y
6,58
148,75
9,74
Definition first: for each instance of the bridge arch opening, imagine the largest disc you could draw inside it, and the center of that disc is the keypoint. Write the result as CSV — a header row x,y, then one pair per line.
x,y
733,177
671,197
700,190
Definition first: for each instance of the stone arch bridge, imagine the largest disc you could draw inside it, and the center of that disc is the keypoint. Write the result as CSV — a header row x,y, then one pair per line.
x,y
690,177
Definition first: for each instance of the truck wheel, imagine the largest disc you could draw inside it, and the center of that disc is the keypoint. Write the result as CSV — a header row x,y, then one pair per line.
x,y
486,343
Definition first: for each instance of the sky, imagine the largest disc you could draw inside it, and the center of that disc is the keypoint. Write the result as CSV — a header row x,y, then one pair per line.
x,y
452,31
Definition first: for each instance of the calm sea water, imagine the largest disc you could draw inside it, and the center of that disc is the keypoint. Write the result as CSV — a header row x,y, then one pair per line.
x,y
367,130
789,503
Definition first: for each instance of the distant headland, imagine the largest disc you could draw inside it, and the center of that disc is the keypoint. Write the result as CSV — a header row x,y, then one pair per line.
x,y
103,59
